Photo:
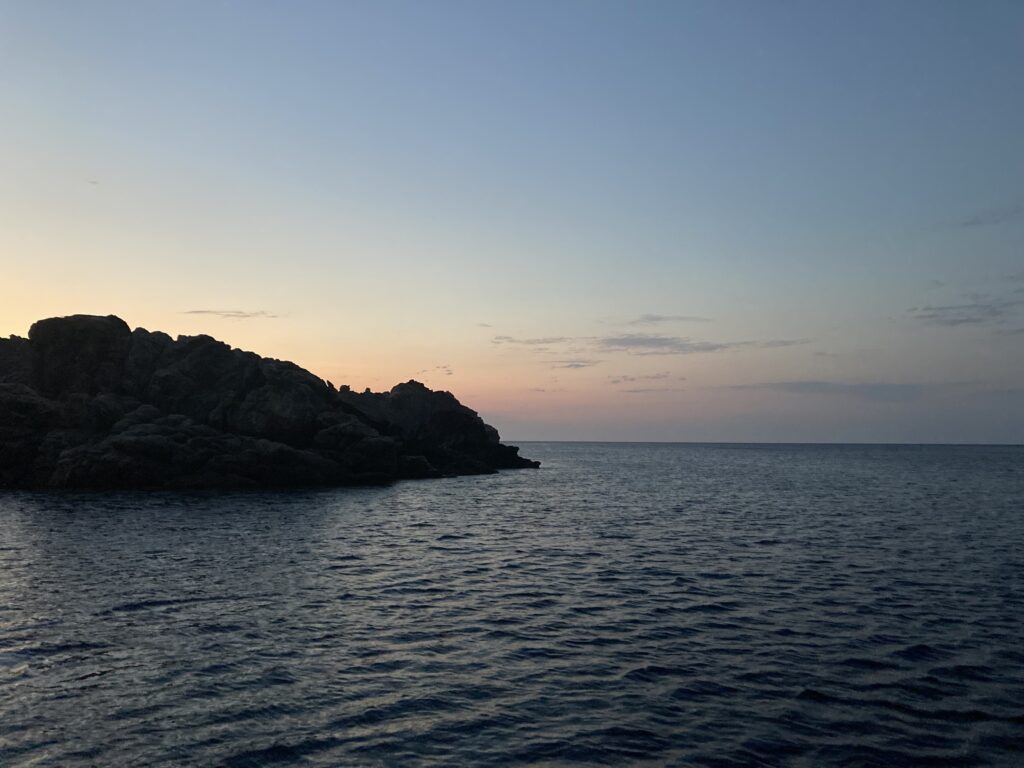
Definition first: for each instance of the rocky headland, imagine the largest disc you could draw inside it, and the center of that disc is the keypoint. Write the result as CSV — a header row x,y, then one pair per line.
x,y
88,403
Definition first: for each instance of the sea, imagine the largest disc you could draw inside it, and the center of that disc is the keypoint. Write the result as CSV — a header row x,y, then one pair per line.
x,y
626,604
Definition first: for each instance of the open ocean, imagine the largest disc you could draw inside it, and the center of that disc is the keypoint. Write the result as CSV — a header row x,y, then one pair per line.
x,y
705,605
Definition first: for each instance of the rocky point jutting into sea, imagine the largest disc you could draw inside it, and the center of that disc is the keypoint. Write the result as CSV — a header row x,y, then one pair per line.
x,y
87,403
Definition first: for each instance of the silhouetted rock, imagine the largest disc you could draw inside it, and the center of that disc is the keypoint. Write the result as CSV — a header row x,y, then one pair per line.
x,y
450,436
15,361
81,353
87,403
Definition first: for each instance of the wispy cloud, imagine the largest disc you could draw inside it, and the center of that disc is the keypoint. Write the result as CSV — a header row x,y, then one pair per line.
x,y
771,343
574,363
652,319
232,314
627,379
484,325
634,344
444,370
541,341
978,310
992,216
644,390
656,344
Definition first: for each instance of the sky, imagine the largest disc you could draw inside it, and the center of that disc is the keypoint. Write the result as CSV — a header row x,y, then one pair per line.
x,y
672,221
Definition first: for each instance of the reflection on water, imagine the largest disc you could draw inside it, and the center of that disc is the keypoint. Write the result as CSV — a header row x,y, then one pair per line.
x,y
697,605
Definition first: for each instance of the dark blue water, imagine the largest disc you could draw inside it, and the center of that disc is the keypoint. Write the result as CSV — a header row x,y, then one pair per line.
x,y
626,604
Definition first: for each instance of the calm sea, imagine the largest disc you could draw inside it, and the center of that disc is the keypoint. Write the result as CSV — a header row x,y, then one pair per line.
x,y
706,605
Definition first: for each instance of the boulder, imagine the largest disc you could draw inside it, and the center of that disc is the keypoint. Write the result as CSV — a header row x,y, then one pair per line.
x,y
435,425
81,353
86,403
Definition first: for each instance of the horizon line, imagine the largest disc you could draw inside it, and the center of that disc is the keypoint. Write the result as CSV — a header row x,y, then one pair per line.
x,y
770,442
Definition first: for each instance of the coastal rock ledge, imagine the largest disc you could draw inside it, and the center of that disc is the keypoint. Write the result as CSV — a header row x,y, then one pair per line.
x,y
88,403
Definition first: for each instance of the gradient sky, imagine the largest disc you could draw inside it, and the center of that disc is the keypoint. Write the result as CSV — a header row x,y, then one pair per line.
x,y
766,221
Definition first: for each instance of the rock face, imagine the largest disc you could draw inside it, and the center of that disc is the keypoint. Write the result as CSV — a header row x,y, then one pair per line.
x,y
87,403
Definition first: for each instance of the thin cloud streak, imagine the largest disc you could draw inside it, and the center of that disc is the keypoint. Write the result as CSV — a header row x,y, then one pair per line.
x,y
980,310
651,319
655,344
627,379
639,344
577,363
772,343
644,390
232,314
543,341
445,370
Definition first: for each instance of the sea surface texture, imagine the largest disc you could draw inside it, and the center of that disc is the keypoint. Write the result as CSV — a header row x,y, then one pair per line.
x,y
702,605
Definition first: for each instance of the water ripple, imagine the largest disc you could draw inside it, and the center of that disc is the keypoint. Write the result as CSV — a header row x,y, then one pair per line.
x,y
659,605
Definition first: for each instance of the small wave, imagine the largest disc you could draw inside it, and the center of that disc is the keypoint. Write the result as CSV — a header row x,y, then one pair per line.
x,y
142,605
921,652
279,754
710,608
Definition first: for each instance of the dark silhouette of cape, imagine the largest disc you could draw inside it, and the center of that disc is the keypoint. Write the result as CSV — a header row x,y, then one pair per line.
x,y
87,403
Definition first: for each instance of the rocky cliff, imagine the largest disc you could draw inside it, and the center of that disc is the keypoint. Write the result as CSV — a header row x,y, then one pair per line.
x,y
88,403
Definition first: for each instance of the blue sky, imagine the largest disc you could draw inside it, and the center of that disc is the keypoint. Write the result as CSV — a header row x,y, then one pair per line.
x,y
728,220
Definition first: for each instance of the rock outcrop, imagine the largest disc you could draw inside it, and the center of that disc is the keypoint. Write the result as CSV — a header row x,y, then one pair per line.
x,y
87,403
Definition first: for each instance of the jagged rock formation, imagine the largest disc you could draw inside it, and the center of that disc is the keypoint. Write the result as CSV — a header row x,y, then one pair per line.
x,y
87,403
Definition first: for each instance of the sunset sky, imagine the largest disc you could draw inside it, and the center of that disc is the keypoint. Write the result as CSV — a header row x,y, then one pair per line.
x,y
692,221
